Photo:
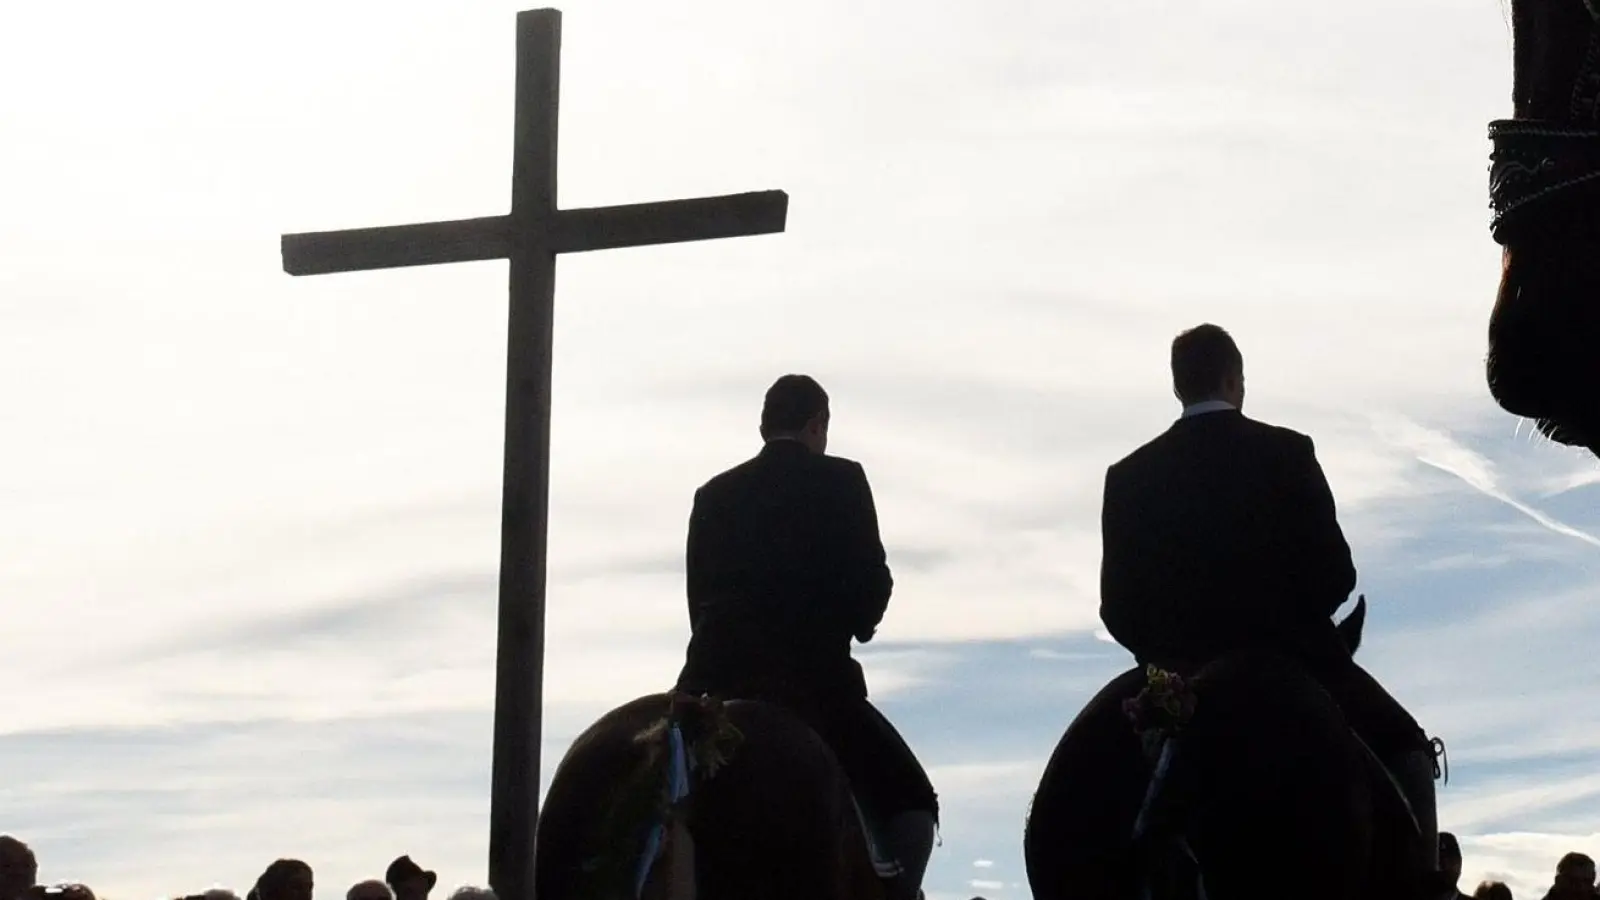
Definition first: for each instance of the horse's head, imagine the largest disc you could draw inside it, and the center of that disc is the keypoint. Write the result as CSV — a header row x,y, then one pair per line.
x,y
1544,333
1353,625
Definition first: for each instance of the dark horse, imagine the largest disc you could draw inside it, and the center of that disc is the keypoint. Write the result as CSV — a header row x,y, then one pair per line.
x,y
1545,193
1271,794
702,800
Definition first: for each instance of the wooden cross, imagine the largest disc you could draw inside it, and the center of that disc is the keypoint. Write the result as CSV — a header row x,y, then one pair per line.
x,y
530,237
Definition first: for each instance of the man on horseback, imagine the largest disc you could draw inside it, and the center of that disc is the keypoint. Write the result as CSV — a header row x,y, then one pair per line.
x,y
1220,535
785,565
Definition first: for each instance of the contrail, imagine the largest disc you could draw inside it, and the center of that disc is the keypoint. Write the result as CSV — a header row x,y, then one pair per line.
x,y
1555,525
1429,445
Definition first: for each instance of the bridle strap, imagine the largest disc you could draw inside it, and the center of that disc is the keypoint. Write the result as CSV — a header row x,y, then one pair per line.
x,y
1534,159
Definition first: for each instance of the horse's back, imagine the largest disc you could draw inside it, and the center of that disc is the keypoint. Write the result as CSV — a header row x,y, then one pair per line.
x,y
1273,784
1281,786
1078,842
585,785
775,821
781,814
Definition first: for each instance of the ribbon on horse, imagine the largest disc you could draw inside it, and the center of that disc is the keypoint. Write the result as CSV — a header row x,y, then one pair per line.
x,y
679,768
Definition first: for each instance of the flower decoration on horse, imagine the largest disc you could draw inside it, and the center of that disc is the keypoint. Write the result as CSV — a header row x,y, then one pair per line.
x,y
648,814
1161,709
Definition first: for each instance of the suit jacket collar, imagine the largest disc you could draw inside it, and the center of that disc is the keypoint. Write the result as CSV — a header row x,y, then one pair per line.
x,y
783,447
1207,406
1215,417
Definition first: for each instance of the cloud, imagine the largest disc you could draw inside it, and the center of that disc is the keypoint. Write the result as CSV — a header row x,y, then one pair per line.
x,y
1525,861
1571,481
365,786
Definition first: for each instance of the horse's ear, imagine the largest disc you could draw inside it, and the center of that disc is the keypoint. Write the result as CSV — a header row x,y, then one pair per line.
x,y
1351,628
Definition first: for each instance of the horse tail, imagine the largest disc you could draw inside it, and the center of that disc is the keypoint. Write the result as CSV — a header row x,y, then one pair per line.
x,y
684,747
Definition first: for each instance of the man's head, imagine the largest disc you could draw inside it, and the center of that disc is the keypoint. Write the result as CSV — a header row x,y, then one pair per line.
x,y
1207,365
1575,875
371,889
796,408
409,880
286,879
1450,856
1492,890
19,869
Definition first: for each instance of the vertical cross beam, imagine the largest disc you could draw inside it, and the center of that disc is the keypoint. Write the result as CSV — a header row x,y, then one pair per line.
x,y
529,237
525,484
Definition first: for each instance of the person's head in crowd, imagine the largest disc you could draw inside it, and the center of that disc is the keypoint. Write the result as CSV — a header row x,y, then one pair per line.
x,y
285,879
371,889
1450,857
1492,890
19,868
409,880
1574,877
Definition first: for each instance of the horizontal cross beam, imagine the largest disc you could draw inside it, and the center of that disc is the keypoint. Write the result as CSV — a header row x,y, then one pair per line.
x,y
570,231
393,246
641,224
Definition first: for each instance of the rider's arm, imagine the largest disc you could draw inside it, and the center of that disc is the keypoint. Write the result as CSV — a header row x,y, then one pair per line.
x,y
694,563
1327,564
1121,605
868,583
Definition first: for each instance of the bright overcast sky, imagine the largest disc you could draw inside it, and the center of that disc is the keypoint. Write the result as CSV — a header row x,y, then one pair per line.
x,y
252,520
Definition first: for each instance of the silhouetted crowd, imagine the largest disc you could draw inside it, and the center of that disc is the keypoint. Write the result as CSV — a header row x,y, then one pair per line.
x,y
1574,878
285,879
291,879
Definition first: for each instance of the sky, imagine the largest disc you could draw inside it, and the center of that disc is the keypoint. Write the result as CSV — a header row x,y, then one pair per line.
x,y
252,520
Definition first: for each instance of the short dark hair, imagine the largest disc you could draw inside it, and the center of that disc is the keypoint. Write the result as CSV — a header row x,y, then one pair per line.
x,y
1492,890
1449,847
277,877
792,401
16,860
1572,861
1201,358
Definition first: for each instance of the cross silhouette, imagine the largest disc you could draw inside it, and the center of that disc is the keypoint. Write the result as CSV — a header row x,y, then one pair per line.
x,y
529,237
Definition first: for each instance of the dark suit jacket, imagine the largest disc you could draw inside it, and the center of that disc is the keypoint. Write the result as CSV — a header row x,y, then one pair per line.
x,y
1221,534
784,566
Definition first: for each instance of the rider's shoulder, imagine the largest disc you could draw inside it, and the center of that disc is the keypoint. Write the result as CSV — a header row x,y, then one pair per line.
x,y
756,469
1281,442
1280,433
727,478
842,465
